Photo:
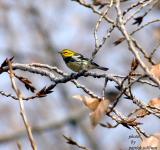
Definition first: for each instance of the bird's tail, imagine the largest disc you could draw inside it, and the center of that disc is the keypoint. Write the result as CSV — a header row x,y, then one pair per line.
x,y
96,66
102,68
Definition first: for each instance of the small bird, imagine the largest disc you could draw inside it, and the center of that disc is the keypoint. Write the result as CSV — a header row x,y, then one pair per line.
x,y
78,62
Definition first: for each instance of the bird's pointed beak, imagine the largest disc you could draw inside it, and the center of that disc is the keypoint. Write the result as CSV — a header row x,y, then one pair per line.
x,y
59,52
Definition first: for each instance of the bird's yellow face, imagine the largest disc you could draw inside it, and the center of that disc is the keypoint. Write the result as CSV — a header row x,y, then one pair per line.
x,y
67,53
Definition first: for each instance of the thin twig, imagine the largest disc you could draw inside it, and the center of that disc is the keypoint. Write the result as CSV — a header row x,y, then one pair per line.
x,y
22,110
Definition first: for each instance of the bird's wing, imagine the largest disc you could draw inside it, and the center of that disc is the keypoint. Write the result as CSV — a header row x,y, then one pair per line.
x,y
79,57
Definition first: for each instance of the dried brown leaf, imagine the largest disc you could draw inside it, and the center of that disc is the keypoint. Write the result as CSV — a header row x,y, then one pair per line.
x,y
91,103
140,113
132,122
98,2
98,107
5,62
155,102
134,64
108,125
27,83
125,125
155,70
119,41
73,142
153,142
156,33
43,92
69,140
99,113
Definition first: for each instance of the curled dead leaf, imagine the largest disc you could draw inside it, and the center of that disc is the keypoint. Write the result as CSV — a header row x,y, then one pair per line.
x,y
98,107
100,112
27,83
5,62
91,103
119,41
44,91
156,33
132,122
140,113
154,103
155,70
152,142
134,64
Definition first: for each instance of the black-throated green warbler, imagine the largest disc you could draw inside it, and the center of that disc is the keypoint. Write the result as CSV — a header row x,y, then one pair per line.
x,y
77,62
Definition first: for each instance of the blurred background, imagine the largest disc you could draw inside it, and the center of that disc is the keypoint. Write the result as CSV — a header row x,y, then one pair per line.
x,y
34,31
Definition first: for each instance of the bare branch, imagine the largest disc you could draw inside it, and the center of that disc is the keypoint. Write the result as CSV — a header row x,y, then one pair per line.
x,y
22,110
